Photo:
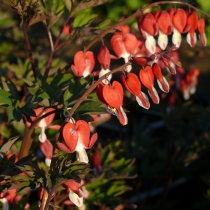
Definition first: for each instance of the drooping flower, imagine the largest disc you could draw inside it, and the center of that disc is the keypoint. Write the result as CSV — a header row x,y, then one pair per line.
x,y
104,59
47,149
83,63
124,45
162,82
7,198
112,96
201,30
149,28
75,193
179,21
192,23
133,85
45,122
147,78
165,28
77,138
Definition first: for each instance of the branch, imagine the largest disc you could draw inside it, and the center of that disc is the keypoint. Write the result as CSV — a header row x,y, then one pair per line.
x,y
55,46
29,51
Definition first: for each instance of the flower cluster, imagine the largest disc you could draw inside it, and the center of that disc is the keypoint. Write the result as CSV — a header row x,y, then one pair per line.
x,y
144,51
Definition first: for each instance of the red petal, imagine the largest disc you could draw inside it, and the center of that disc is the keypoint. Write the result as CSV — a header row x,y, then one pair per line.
x,y
92,141
164,23
99,92
158,74
131,83
192,20
47,149
131,43
201,26
117,44
149,24
63,147
104,57
142,60
83,131
113,95
73,185
70,136
147,77
179,20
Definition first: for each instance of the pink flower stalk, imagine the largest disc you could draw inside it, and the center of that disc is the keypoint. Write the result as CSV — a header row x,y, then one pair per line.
x,y
75,193
112,96
133,85
47,149
147,78
124,45
162,82
201,30
77,138
83,63
149,28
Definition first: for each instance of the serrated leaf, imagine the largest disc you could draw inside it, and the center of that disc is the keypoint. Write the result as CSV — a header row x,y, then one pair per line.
x,y
6,147
45,87
5,97
14,113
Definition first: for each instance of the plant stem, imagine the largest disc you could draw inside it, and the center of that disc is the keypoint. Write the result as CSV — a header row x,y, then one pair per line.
x,y
28,139
29,51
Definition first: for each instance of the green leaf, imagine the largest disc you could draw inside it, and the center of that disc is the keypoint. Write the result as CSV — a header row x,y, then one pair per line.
x,y
14,113
68,4
83,19
45,87
91,107
5,98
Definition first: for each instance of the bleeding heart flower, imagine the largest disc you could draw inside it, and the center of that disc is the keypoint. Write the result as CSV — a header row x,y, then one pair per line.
x,y
47,149
75,193
133,85
124,45
104,59
77,138
83,63
45,122
7,197
192,23
149,28
162,82
112,96
179,21
201,30
147,78
165,28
